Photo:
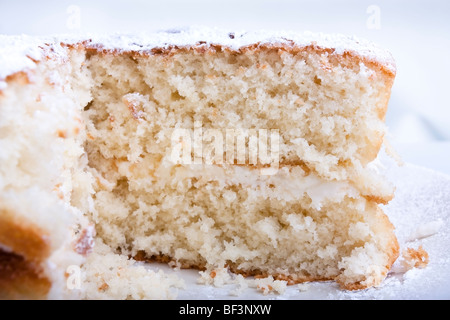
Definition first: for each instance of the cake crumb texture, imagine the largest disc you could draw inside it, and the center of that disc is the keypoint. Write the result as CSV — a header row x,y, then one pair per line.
x,y
86,169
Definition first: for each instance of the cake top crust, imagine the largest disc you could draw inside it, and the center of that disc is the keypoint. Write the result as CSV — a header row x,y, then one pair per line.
x,y
18,53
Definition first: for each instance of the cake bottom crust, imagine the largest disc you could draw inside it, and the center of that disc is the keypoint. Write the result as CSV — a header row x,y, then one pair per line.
x,y
20,279
258,274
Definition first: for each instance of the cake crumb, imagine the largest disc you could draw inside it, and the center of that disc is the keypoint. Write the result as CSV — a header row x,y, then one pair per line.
x,y
242,285
62,133
415,258
220,277
108,275
269,285
391,152
84,244
217,277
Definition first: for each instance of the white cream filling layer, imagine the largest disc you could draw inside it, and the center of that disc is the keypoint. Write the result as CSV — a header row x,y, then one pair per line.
x,y
289,183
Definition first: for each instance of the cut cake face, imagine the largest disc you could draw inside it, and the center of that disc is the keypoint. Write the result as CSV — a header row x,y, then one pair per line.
x,y
130,136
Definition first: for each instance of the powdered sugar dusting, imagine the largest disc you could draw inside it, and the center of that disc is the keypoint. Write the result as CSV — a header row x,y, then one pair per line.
x,y
236,40
18,53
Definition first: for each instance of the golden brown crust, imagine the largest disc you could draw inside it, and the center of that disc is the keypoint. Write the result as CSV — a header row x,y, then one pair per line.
x,y
20,77
291,279
392,248
348,58
21,274
379,199
23,237
20,279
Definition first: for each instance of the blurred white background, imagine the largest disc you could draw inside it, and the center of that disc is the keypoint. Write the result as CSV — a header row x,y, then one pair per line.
x,y
416,32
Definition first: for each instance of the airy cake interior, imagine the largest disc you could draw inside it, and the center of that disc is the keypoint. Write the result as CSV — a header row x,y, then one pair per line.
x,y
212,215
110,118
